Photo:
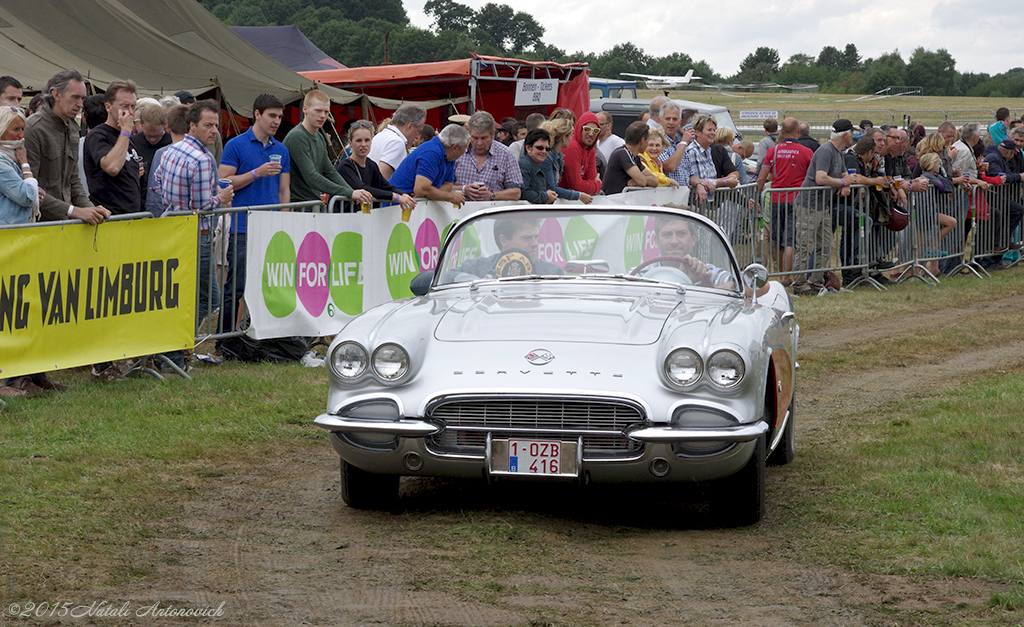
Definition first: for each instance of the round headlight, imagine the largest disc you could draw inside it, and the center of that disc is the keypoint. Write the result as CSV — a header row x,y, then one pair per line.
x,y
683,366
349,360
390,362
725,368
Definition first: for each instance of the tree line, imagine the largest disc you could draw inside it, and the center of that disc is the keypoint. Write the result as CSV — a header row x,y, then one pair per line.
x,y
352,31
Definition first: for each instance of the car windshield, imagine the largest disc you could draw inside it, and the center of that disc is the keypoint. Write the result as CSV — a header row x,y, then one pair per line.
x,y
653,245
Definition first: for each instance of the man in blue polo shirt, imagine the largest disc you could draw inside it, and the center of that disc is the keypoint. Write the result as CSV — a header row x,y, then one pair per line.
x,y
429,171
250,161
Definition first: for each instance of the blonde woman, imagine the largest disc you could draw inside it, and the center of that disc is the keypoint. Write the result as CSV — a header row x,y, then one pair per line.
x,y
656,142
560,131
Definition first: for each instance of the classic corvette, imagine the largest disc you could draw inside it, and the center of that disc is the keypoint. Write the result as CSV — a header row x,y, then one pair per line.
x,y
587,344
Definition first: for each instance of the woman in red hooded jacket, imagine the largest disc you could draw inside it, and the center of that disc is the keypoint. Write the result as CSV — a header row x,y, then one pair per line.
x,y
581,158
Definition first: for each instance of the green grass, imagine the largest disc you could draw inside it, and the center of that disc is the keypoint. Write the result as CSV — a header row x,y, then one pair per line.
x,y
90,470
922,108
933,486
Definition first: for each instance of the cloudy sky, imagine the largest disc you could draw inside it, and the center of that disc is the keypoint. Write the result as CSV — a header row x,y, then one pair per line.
x,y
874,26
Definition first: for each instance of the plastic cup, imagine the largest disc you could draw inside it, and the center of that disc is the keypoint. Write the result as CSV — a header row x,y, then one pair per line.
x,y
406,214
275,159
366,208
223,185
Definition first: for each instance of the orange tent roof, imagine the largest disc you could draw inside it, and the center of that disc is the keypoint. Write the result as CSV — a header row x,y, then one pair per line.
x,y
440,70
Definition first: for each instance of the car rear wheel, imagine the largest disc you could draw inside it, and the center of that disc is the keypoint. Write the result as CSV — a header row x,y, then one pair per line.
x,y
785,451
743,499
366,490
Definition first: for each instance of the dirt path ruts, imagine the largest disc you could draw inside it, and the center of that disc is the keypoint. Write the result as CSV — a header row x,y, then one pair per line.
x,y
275,542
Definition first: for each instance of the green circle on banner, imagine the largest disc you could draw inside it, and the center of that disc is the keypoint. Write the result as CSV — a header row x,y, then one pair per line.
x,y
279,275
401,263
346,272
633,251
580,239
469,246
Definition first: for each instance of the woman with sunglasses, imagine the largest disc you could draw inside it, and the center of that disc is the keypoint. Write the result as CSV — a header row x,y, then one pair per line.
x,y
535,187
19,190
361,172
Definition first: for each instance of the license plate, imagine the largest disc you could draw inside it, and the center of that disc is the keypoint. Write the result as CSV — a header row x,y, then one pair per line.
x,y
551,458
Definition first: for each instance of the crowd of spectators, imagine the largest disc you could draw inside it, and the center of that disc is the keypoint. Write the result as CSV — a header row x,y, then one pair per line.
x,y
144,154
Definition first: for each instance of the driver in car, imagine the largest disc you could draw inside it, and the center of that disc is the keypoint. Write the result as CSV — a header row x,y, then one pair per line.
x,y
517,242
676,238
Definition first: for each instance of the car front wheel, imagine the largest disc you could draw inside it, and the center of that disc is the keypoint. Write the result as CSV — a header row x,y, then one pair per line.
x,y
743,499
367,490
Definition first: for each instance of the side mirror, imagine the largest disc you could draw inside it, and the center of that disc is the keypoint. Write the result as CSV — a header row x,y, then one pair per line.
x,y
755,276
420,284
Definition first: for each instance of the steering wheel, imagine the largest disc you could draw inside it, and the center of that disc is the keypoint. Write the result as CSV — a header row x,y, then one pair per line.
x,y
513,262
650,262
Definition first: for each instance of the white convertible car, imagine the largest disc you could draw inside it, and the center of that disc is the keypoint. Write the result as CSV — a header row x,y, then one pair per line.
x,y
588,344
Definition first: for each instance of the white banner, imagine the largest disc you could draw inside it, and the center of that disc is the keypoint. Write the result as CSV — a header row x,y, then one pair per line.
x,y
310,273
536,91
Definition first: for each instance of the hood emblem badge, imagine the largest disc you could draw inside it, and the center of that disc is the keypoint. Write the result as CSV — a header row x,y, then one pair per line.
x,y
539,356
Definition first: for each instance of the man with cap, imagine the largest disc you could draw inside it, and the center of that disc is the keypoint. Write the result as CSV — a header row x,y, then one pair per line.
x,y
813,208
1005,161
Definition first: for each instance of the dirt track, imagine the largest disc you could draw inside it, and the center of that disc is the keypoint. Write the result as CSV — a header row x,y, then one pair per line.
x,y
276,544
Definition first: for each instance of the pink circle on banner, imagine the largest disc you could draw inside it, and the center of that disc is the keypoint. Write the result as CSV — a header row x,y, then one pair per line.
x,y
650,241
428,245
550,243
311,277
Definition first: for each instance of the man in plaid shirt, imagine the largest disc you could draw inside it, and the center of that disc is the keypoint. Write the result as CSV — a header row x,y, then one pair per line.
x,y
187,178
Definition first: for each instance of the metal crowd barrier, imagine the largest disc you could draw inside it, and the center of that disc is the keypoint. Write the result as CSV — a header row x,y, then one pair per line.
x,y
220,264
736,211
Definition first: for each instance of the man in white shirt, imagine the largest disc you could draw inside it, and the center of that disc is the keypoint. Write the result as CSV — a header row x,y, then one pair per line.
x,y
606,141
390,146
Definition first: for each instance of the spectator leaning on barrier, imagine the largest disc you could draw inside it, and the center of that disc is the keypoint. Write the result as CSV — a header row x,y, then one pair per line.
x,y
19,189
699,164
10,91
625,168
187,179
535,186
312,172
655,147
177,126
258,167
581,156
152,136
362,173
676,140
560,131
812,209
785,164
488,171
19,204
1005,161
391,145
429,172
111,163
51,142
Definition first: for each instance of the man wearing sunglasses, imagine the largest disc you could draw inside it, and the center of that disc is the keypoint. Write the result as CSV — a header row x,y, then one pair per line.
x,y
581,157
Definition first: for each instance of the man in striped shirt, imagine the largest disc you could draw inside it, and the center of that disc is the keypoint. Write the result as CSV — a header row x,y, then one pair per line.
x,y
187,178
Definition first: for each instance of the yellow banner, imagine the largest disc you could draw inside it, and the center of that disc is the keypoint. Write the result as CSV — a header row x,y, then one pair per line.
x,y
73,295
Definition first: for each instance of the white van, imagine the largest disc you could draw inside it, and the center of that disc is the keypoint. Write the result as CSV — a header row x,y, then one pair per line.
x,y
625,111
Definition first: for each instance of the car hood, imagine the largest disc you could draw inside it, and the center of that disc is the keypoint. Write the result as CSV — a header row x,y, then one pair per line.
x,y
607,319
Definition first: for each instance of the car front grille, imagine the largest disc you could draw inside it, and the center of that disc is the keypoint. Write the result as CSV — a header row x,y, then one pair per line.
x,y
601,423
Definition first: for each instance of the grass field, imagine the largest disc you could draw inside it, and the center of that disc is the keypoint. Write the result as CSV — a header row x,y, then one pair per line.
x,y
931,110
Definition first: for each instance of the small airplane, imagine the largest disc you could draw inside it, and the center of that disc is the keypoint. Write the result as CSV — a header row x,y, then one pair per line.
x,y
664,82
